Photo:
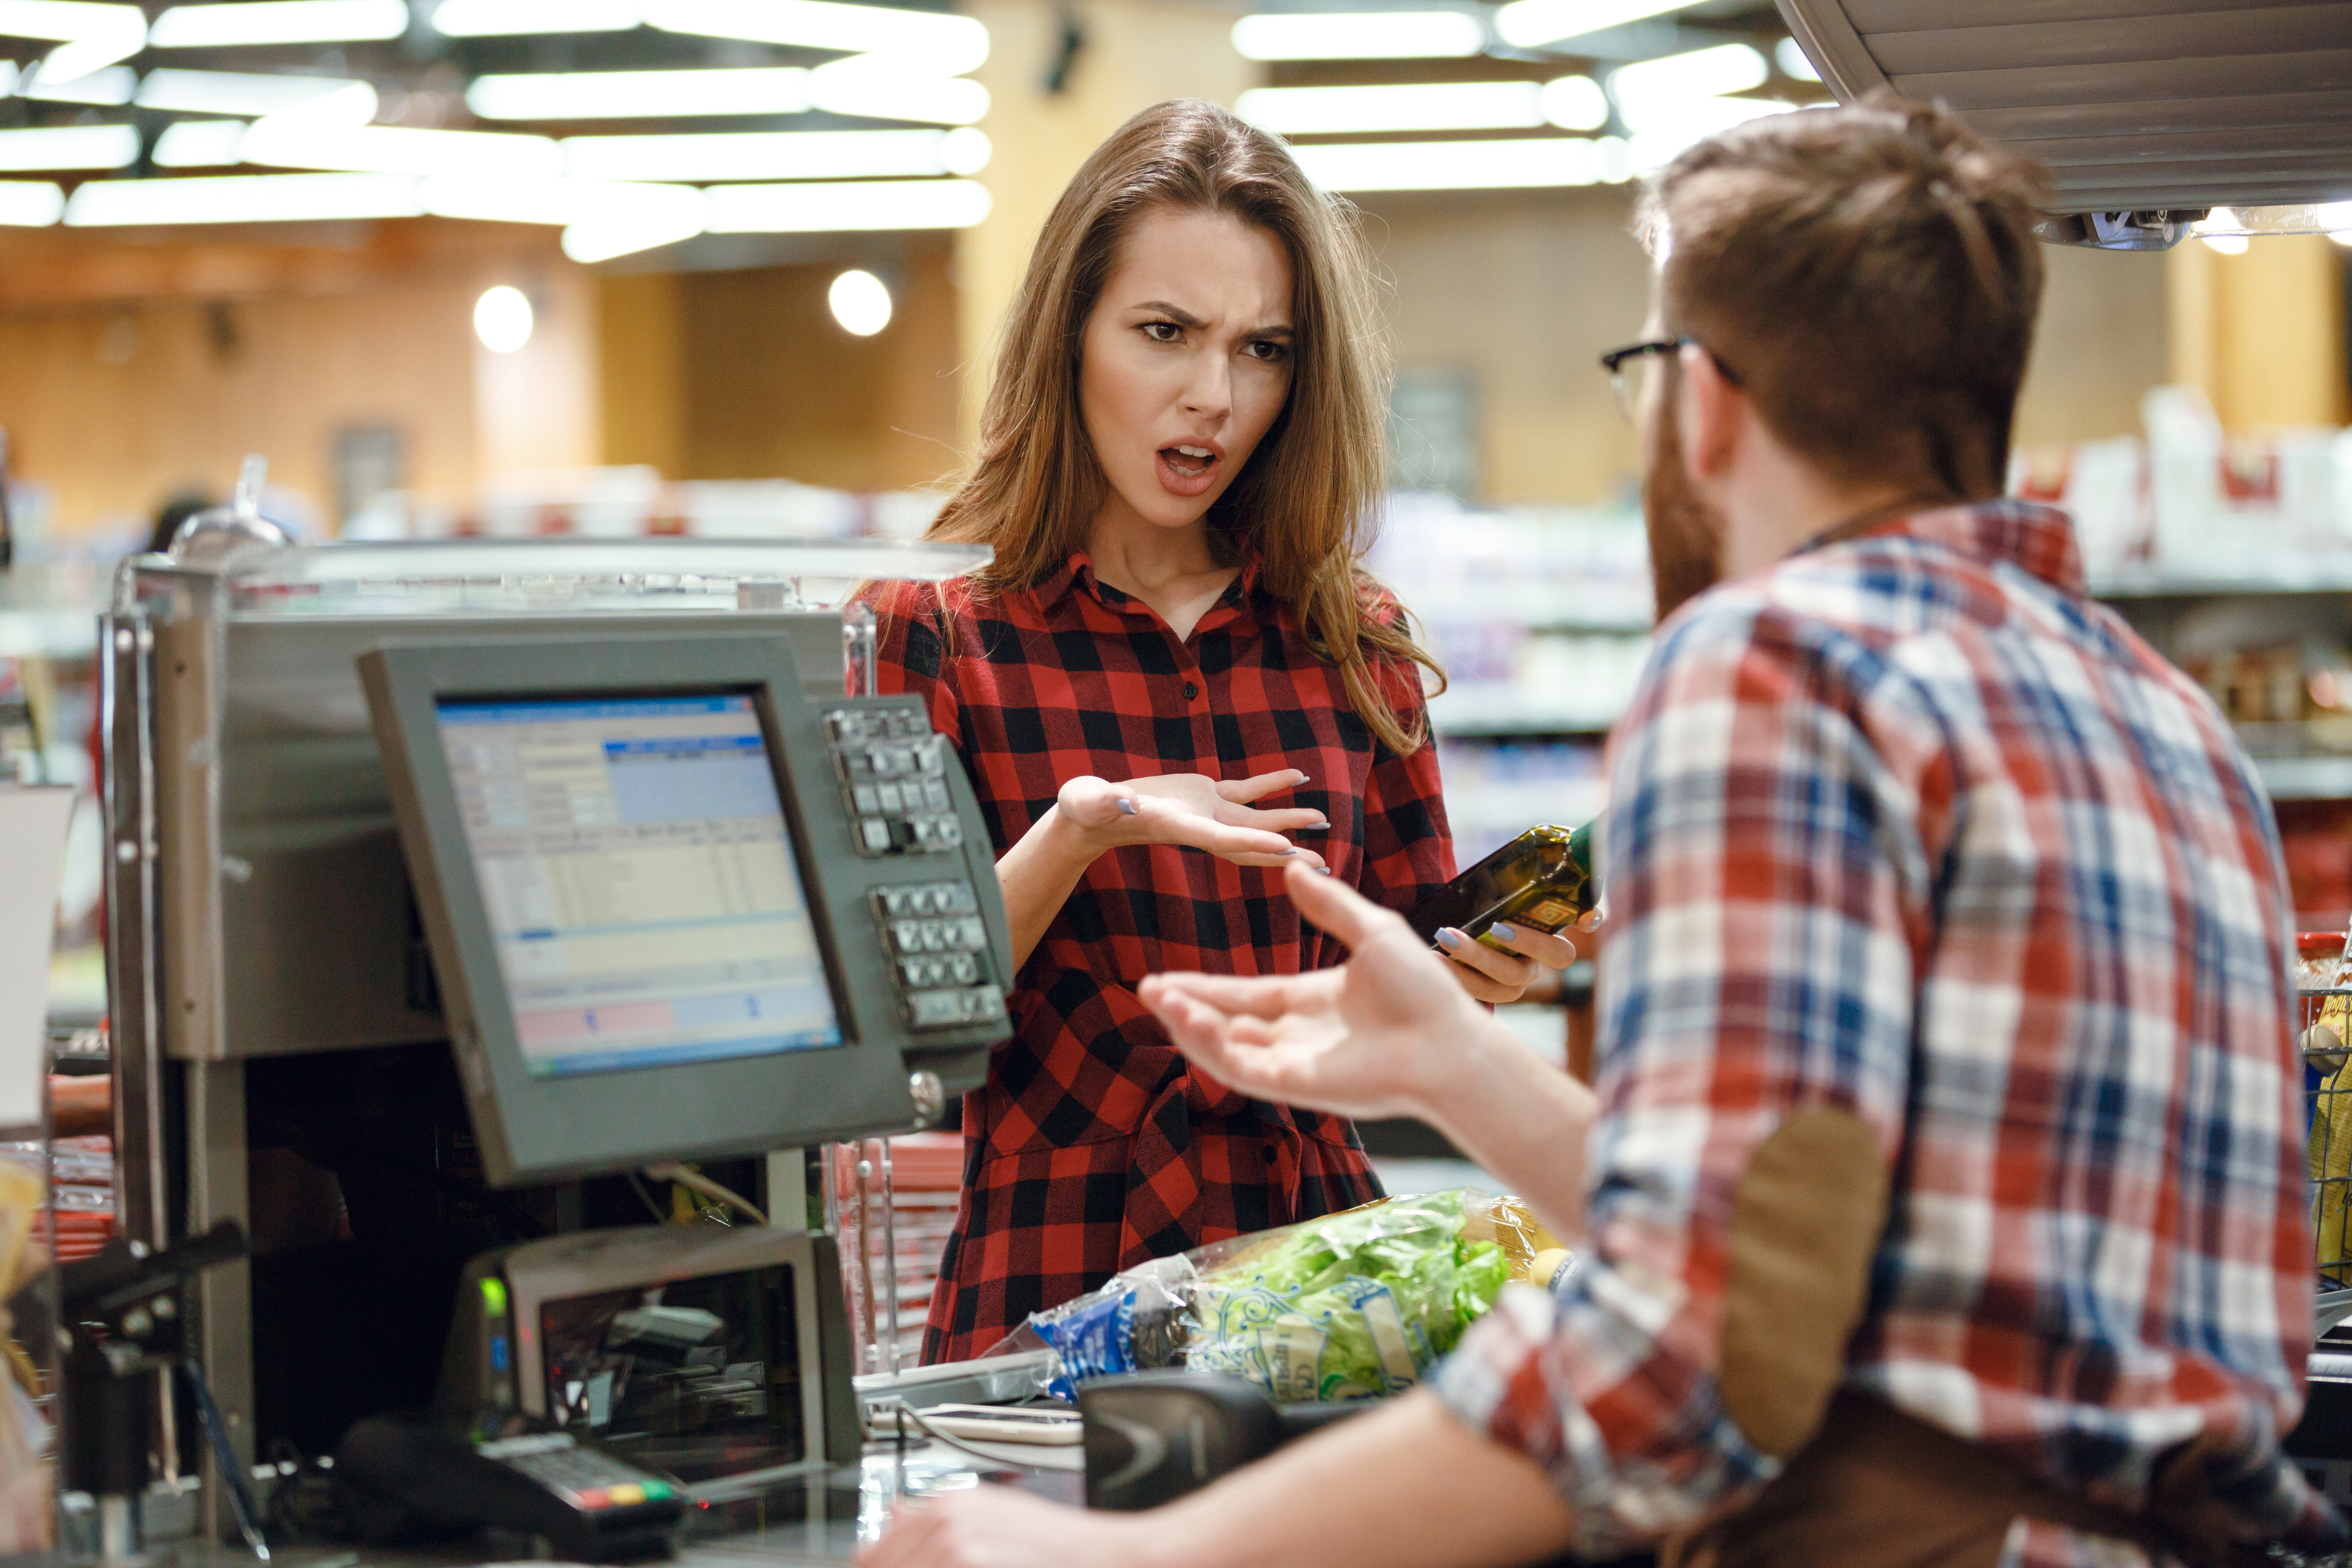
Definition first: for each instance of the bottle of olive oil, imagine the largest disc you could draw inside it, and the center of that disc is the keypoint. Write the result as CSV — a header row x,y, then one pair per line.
x,y
1543,880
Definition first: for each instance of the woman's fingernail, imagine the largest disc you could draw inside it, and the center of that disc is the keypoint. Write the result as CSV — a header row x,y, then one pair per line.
x,y
1504,932
1304,779
1449,939
1314,827
1126,806
1325,869
1293,851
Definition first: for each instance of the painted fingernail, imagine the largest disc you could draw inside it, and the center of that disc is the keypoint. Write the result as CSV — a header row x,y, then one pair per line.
x,y
1304,778
1126,806
1449,939
1314,827
1290,851
1325,869
1504,932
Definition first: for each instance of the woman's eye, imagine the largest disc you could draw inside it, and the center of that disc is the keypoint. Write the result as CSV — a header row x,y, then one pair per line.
x,y
1163,331
1266,348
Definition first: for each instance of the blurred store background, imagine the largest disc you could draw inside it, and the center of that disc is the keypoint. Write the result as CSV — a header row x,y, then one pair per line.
x,y
734,266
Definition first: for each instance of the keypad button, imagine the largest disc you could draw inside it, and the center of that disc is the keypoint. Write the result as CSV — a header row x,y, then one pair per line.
x,y
866,799
988,1004
934,936
875,834
846,724
627,1495
907,935
594,1498
965,968
935,1009
932,759
897,901
881,762
975,931
893,800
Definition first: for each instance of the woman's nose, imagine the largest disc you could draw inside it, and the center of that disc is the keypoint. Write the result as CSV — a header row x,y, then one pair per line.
x,y
1210,392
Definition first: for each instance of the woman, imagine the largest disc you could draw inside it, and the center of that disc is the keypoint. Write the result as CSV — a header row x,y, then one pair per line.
x,y
1173,653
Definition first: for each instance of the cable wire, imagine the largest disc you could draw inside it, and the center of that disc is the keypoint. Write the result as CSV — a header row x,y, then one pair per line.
x,y
701,1184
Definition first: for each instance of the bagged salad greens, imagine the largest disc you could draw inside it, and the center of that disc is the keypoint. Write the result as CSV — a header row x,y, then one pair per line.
x,y
1349,1305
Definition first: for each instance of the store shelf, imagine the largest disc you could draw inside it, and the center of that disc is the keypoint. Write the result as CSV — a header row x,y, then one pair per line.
x,y
1498,708
47,634
2306,778
2285,572
1541,604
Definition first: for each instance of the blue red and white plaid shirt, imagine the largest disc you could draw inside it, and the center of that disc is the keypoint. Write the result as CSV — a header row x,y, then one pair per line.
x,y
1907,826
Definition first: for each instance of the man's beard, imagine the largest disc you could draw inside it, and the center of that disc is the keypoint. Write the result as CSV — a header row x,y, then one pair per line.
x,y
1686,533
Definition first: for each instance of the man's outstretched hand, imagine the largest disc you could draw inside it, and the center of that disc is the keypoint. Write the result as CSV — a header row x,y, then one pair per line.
x,y
1376,1036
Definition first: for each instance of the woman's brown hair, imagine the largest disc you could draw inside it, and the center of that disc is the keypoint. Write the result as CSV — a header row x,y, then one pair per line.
x,y
1309,498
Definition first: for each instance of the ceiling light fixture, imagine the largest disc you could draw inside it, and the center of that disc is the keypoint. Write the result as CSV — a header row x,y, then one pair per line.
x,y
70,147
1789,56
89,35
857,204
30,204
1359,36
1660,131
502,319
1527,23
625,227
201,144
1442,166
2228,244
490,18
243,199
776,155
1426,106
1677,79
297,142
258,22
110,86
1575,103
938,43
880,87
860,302
255,93
631,95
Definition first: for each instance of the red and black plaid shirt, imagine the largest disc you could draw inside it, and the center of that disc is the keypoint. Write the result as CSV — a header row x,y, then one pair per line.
x,y
1092,1147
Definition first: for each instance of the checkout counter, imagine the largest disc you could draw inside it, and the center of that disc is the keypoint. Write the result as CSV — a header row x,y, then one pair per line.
x,y
452,885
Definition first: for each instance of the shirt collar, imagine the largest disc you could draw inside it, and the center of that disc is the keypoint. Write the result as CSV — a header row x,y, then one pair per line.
x,y
2034,538
1077,574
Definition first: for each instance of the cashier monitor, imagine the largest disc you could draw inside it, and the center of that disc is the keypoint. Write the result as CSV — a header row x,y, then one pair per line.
x,y
662,922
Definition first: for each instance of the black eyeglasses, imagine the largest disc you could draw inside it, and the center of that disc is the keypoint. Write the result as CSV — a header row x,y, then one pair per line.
x,y
1624,366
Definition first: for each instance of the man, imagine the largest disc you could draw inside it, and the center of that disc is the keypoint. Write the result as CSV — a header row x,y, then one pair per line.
x,y
1946,1201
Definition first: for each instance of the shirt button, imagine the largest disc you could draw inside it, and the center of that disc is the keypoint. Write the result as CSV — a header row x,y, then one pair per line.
x,y
1190,692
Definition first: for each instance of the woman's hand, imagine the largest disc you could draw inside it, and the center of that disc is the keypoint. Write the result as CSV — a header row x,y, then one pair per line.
x,y
1493,976
1092,816
1196,810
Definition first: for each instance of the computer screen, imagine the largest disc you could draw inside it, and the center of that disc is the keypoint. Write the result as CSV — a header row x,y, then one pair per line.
x,y
643,892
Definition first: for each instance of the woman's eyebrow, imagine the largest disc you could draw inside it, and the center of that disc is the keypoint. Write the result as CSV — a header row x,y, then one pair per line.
x,y
1176,313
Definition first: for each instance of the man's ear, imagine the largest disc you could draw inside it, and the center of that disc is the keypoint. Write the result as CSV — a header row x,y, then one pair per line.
x,y
1715,413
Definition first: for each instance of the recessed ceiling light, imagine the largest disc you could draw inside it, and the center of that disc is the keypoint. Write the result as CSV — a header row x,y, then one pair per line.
x,y
1789,56
877,88
255,22
1698,73
89,35
860,302
502,319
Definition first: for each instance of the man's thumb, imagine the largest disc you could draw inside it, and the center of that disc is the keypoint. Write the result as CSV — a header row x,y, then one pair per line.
x,y
1333,907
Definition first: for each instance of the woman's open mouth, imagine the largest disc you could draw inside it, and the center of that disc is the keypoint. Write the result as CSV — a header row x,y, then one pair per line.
x,y
1186,469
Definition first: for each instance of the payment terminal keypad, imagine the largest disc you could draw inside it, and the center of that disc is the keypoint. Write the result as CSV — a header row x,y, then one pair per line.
x,y
587,1479
938,953
893,774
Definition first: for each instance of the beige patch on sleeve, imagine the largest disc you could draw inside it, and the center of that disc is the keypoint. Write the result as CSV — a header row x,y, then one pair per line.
x,y
1804,1225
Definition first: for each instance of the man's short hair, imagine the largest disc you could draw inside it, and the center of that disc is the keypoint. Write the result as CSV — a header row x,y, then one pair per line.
x,y
1869,275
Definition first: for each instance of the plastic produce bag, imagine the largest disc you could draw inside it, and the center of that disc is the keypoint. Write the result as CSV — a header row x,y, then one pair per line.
x,y
1349,1305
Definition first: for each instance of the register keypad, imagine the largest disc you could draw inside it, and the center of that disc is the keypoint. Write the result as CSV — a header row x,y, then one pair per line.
x,y
938,953
893,769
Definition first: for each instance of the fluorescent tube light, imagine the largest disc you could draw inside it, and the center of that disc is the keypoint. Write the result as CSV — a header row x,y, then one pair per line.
x,y
243,199
634,228
1789,56
110,86
253,94
1359,36
1660,130
631,95
857,205
70,147
296,142
487,18
939,43
1575,103
559,202
30,204
1464,165
89,35
277,21
8,78
1676,78
201,144
1429,106
1526,23
877,87
776,155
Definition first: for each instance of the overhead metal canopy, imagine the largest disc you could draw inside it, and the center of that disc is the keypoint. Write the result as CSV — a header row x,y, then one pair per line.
x,y
2136,105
